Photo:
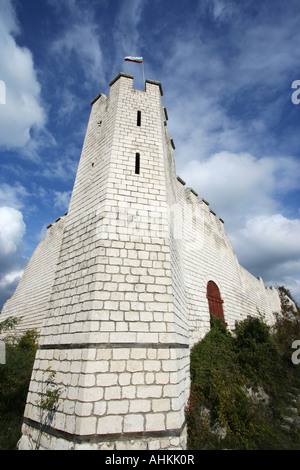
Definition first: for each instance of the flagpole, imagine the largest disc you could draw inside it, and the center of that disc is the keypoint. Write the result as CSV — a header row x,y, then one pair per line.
x,y
143,73
136,59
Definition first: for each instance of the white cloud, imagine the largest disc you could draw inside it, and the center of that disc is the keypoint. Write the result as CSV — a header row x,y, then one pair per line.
x,y
228,87
12,230
62,199
227,98
269,246
236,185
11,278
126,31
62,169
23,110
243,191
273,237
222,10
13,196
12,262
81,41
219,10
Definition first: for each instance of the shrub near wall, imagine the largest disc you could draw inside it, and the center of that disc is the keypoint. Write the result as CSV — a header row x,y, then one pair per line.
x,y
239,388
14,381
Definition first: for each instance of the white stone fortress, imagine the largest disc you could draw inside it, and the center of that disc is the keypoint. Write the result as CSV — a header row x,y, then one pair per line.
x,y
124,284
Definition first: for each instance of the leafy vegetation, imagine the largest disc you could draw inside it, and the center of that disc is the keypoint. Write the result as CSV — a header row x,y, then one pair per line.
x,y
14,382
48,403
285,297
241,387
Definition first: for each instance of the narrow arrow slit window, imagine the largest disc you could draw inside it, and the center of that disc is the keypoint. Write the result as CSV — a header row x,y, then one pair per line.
x,y
137,163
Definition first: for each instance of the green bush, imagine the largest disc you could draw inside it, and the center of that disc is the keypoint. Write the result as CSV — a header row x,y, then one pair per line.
x,y
257,352
14,382
227,370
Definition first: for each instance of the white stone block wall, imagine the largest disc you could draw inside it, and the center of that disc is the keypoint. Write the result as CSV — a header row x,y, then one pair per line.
x,y
29,302
209,256
130,267
114,394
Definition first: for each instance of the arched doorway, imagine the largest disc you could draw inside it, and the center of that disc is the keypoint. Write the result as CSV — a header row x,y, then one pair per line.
x,y
215,302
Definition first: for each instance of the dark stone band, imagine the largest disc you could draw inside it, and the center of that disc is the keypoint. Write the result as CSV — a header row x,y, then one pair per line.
x,y
115,346
94,438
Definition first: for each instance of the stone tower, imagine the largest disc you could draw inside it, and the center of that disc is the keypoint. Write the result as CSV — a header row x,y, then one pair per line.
x,y
116,329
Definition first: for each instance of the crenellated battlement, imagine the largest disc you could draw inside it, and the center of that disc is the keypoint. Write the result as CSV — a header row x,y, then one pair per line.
x,y
128,82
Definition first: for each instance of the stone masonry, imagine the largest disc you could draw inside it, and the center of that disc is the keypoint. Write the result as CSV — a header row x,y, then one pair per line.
x,y
124,297
31,296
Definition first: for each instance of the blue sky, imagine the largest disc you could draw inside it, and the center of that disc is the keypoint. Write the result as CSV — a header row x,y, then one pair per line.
x,y
226,68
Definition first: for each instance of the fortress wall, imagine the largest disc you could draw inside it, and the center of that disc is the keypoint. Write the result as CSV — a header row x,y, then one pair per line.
x,y
180,305
208,255
124,286
112,334
178,290
30,300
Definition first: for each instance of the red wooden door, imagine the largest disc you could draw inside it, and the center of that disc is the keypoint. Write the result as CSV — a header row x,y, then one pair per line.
x,y
215,302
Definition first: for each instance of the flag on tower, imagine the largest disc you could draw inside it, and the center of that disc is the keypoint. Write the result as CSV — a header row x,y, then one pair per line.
x,y
139,60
